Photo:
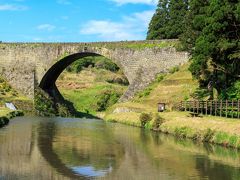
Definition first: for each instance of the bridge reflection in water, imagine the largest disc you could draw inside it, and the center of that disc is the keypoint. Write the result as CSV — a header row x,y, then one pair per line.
x,y
33,148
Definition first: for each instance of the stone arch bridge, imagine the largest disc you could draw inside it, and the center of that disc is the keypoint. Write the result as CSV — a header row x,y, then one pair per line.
x,y
27,65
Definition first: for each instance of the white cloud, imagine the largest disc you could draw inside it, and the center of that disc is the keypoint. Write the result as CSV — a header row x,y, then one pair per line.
x,y
148,2
12,7
131,27
46,27
142,17
64,2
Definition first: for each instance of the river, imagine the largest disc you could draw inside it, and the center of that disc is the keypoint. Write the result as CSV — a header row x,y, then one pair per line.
x,y
33,148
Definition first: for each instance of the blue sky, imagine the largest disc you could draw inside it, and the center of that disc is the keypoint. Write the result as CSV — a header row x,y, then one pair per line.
x,y
74,20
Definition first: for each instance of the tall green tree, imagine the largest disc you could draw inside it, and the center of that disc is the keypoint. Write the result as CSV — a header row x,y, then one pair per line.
x,y
177,13
214,41
168,20
156,29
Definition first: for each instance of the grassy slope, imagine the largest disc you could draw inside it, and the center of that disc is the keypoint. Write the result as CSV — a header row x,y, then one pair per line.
x,y
4,111
174,88
82,88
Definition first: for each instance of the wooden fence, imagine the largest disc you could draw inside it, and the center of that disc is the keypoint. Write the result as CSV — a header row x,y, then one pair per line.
x,y
221,108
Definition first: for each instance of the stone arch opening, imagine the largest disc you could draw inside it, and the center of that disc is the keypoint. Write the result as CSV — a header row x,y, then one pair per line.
x,y
49,79
48,82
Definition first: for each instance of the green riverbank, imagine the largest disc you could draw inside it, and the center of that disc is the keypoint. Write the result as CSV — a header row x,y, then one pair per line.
x,y
215,130
170,88
6,115
173,88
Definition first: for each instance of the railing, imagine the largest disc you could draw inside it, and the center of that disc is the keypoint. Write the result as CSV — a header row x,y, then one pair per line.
x,y
223,108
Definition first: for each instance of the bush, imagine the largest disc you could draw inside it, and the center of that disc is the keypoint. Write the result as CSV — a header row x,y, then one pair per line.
x,y
208,135
158,121
145,92
44,104
145,118
63,110
182,132
106,99
1,80
174,69
77,66
106,64
160,77
98,62
234,91
201,94
15,114
3,121
122,80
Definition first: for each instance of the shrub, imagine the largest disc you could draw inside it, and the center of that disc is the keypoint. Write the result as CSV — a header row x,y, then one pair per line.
x,y
1,80
208,135
145,118
234,91
44,104
158,121
145,92
182,132
77,66
106,64
221,138
63,110
201,94
122,80
15,114
98,62
106,99
3,121
234,141
160,77
174,69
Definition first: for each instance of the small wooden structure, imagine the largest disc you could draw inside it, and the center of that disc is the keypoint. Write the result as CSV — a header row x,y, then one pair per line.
x,y
161,107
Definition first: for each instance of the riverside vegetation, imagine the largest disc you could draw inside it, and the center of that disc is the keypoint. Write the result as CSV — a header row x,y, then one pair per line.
x,y
85,87
93,84
8,94
96,90
172,88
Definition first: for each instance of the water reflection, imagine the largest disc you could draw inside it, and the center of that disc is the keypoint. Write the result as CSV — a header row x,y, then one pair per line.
x,y
34,148
90,171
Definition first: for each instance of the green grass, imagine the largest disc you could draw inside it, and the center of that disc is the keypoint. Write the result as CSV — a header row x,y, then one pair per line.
x,y
84,100
162,44
4,111
173,88
82,88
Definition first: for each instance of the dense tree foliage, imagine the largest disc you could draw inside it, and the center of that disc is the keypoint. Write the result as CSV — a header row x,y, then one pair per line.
x,y
98,62
212,35
167,22
210,31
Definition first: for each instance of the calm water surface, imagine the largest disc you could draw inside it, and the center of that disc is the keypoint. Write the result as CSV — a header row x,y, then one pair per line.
x,y
57,148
